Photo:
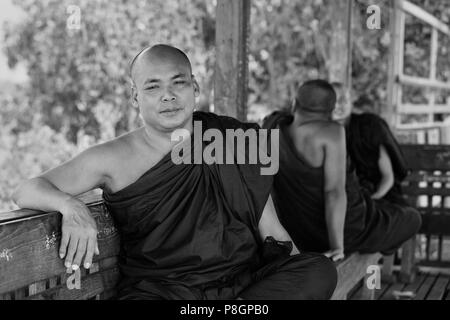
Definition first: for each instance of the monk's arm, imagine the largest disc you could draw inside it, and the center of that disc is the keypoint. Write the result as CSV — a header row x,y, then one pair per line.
x,y
51,190
334,190
269,225
387,174
55,190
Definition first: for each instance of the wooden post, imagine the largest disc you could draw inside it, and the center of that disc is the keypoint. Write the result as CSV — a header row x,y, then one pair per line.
x,y
433,64
366,293
340,62
395,66
231,71
340,49
408,268
387,275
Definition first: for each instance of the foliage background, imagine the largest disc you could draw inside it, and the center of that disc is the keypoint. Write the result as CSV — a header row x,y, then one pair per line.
x,y
78,93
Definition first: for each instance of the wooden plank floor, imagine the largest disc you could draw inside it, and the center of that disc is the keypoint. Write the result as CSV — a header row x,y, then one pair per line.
x,y
427,286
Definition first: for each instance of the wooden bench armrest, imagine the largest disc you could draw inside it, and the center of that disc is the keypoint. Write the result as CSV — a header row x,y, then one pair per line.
x,y
351,271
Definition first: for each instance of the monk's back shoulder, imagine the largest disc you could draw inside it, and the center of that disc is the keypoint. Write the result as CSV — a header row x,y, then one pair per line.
x,y
329,131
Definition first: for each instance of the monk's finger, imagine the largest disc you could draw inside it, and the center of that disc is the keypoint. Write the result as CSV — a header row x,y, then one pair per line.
x,y
73,243
328,254
81,251
89,254
64,242
97,252
338,257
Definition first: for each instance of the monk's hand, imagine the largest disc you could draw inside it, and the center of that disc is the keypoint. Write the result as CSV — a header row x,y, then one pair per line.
x,y
79,235
376,196
335,254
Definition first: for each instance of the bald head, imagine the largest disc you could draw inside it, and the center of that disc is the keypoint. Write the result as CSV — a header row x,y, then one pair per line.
x,y
159,53
316,96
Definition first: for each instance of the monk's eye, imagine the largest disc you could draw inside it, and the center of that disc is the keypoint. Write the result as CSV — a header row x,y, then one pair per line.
x,y
180,82
149,88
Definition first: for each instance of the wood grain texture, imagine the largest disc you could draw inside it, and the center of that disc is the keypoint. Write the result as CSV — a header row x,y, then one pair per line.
x,y
90,286
437,292
427,157
351,270
231,70
29,247
426,286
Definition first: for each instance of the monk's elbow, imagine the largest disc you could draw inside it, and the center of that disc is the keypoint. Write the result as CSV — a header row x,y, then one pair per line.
x,y
19,195
388,182
336,194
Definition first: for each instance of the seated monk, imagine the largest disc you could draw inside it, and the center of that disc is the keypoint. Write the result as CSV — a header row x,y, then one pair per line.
x,y
188,231
374,151
316,191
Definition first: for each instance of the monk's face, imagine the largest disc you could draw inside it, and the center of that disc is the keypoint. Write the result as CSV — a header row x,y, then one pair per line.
x,y
343,106
165,92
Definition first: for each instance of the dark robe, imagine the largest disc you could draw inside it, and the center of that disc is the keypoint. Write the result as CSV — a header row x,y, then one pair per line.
x,y
300,202
365,134
190,231
191,224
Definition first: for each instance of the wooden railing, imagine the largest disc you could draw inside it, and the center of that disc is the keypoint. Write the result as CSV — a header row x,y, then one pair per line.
x,y
428,189
397,79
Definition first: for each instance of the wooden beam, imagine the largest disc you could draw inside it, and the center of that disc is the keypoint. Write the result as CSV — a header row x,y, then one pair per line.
x,y
340,62
231,71
425,16
423,82
395,66
418,126
423,109
433,68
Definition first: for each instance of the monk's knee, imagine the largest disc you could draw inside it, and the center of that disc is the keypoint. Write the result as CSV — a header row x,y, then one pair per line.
x,y
319,277
327,278
416,220
412,221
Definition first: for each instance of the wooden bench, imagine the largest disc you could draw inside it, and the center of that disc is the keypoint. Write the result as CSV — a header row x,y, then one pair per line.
x,y
427,188
30,267
352,271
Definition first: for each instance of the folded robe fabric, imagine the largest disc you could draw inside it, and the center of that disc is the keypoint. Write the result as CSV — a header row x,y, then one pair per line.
x,y
191,224
298,195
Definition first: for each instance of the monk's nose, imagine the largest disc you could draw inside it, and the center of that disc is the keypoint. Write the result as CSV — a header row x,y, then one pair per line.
x,y
168,96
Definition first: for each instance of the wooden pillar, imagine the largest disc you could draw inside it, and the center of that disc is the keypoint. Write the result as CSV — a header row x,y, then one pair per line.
x,y
433,71
340,62
395,66
408,268
231,71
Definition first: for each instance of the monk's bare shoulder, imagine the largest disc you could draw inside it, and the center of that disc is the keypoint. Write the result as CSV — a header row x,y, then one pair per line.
x,y
330,132
105,156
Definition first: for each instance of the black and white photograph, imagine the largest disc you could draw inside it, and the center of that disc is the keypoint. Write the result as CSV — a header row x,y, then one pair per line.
x,y
224,150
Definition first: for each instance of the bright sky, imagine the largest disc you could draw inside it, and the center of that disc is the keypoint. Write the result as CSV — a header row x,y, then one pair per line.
x,y
9,12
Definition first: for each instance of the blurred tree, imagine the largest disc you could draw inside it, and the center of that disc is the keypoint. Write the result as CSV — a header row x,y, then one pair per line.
x,y
290,44
79,88
79,78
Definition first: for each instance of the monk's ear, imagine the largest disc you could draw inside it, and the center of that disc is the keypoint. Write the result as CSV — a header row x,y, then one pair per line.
x,y
293,105
134,94
196,87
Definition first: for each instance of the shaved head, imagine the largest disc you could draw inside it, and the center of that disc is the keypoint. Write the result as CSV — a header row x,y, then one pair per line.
x,y
163,88
316,96
159,53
